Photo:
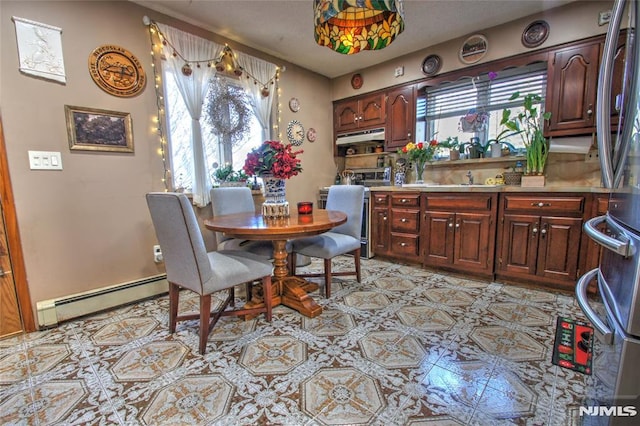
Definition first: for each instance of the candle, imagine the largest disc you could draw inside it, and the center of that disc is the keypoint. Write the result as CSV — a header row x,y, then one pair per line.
x,y
305,207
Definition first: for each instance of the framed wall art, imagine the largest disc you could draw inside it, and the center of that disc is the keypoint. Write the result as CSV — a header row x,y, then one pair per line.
x,y
92,129
473,49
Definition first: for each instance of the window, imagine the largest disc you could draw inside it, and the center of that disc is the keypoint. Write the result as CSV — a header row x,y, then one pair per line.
x,y
441,109
179,131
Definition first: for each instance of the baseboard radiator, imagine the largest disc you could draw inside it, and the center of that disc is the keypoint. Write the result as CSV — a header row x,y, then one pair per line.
x,y
53,311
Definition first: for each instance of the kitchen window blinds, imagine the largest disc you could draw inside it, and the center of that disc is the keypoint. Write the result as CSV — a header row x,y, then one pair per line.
x,y
440,108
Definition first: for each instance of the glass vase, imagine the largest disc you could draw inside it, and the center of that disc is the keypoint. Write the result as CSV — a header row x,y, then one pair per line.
x,y
275,203
420,165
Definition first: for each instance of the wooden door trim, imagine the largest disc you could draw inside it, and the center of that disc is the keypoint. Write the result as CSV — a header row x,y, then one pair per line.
x,y
13,239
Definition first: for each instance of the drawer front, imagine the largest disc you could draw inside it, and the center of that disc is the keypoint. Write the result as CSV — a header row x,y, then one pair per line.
x,y
602,205
405,221
406,245
459,202
380,199
545,204
405,200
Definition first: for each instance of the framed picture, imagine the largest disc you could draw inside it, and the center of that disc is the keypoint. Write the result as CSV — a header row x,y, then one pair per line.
x,y
92,129
473,49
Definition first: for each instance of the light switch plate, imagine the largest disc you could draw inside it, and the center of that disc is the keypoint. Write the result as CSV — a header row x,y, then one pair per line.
x,y
45,160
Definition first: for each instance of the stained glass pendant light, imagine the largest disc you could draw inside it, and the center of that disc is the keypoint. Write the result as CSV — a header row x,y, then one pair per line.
x,y
351,26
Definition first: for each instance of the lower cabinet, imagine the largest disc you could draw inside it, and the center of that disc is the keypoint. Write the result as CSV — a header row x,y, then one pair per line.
x,y
539,238
459,231
396,225
533,238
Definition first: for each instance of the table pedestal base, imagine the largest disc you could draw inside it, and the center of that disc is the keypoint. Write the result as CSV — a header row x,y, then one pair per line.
x,y
289,291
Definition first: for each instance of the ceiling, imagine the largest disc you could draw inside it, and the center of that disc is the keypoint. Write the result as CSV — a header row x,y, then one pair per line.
x,y
284,29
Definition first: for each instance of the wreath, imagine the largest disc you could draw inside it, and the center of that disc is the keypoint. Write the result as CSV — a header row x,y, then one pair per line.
x,y
227,112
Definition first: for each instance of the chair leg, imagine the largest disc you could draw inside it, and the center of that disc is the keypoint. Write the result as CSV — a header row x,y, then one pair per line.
x,y
205,316
356,259
174,293
268,301
327,277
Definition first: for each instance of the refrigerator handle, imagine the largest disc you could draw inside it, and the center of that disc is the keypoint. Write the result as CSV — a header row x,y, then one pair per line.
x,y
629,106
621,246
603,102
592,316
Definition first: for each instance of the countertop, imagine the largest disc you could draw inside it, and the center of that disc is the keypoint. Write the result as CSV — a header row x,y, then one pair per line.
x,y
490,188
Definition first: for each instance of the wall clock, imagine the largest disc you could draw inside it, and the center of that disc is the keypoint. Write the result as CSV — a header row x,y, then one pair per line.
x,y
295,132
294,104
473,49
535,34
117,71
311,134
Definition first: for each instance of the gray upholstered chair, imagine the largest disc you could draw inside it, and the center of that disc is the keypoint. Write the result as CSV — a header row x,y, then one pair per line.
x,y
343,239
231,200
189,266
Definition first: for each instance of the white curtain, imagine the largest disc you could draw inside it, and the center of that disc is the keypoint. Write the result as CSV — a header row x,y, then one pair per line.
x,y
193,89
263,72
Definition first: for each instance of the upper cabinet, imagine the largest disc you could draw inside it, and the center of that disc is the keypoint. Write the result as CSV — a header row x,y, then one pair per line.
x,y
401,117
360,113
571,89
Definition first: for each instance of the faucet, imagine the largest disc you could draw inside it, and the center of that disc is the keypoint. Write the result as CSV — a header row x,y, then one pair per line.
x,y
469,177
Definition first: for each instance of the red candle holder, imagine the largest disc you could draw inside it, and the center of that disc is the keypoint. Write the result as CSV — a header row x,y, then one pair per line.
x,y
305,207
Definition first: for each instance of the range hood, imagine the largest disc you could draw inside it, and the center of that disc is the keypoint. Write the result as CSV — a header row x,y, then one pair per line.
x,y
372,135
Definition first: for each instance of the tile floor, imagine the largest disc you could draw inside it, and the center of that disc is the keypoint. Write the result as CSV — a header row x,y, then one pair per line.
x,y
407,346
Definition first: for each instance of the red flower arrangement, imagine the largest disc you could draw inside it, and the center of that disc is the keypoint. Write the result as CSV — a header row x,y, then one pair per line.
x,y
275,158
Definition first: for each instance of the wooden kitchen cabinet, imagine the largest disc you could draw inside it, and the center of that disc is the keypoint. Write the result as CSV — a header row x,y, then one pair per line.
x,y
401,117
539,238
459,232
396,225
360,113
380,230
571,89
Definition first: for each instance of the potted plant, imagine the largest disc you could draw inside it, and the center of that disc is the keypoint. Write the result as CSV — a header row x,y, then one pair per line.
x,y
226,176
453,144
528,124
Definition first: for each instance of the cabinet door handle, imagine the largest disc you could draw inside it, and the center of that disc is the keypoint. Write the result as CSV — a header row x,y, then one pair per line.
x,y
404,220
403,244
590,111
384,218
543,231
540,204
404,200
535,231
3,272
458,225
450,224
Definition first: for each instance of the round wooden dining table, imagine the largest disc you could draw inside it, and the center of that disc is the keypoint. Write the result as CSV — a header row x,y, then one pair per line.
x,y
287,290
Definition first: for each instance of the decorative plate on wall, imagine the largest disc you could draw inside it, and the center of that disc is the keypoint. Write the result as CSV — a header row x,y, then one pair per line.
x,y
356,81
535,34
473,49
116,71
431,65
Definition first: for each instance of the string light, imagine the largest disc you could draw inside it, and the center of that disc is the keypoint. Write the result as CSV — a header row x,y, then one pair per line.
x,y
159,120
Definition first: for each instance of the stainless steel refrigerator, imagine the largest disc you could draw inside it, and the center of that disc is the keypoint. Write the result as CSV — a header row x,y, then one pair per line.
x,y
613,397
